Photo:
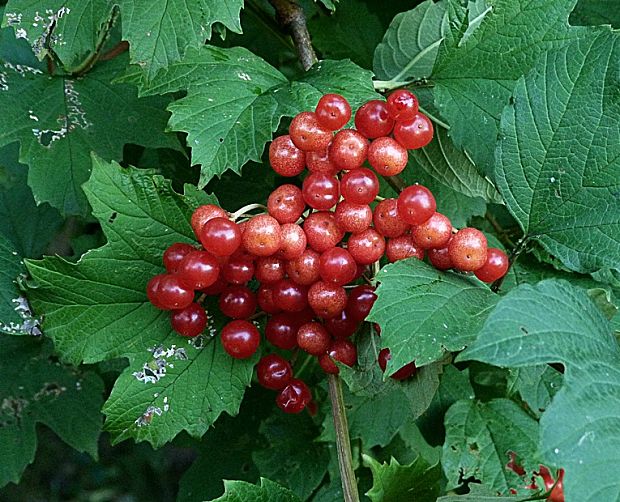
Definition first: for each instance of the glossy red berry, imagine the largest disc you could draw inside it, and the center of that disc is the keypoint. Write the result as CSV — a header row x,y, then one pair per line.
x,y
333,111
320,191
403,373
240,339
293,241
262,235
354,218
433,233
494,267
216,288
387,156
173,256
348,150
305,269
440,258
294,397
265,299
190,321
327,300
220,236
169,292
238,270
372,119
402,105
319,162
416,204
359,186
342,325
340,350
202,214
307,134
400,248
337,266
468,249
387,219
269,269
286,204
366,247
237,302
199,269
274,372
361,300
322,231
281,330
313,338
415,133
290,296
285,158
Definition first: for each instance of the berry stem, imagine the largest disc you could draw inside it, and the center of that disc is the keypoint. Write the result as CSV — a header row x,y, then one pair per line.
x,y
291,16
514,255
396,182
343,443
246,209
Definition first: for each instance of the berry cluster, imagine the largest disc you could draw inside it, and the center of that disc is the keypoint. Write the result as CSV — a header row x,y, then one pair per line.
x,y
315,240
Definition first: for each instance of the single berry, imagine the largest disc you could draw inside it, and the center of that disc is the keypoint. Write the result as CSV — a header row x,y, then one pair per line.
x,y
320,191
415,133
440,258
216,288
286,204
293,241
173,256
322,231
416,204
262,235
202,214
304,269
359,186
372,119
274,372
199,269
341,326
169,292
290,296
266,300
468,249
387,220
366,247
333,111
307,134
320,163
327,300
313,338
220,236
269,269
354,218
340,350
238,270
403,373
285,158
348,149
495,267
281,330
240,339
337,266
433,233
402,105
190,321
361,299
400,248
237,302
294,397
387,156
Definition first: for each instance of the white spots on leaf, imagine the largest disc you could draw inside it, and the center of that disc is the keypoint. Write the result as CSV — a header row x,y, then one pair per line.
x,y
22,69
4,86
147,416
30,325
556,451
48,23
552,179
13,18
588,436
21,33
52,390
154,370
244,76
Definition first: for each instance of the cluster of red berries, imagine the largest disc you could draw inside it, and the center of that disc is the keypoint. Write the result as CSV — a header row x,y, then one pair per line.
x,y
296,251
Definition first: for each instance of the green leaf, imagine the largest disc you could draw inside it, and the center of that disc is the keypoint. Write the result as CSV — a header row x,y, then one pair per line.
x,y
403,483
14,310
536,385
35,389
268,491
556,322
480,493
97,309
595,12
479,438
292,456
571,208
410,44
161,32
424,312
475,72
59,120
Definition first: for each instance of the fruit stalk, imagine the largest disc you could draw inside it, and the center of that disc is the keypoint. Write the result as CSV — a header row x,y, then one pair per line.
x,y
291,16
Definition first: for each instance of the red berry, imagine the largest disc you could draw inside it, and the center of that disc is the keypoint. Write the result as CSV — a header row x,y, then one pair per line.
x,y
494,267
400,248
341,326
353,218
327,300
269,269
307,134
274,372
468,249
416,204
320,163
440,258
361,300
340,350
387,220
433,233
359,186
281,330
333,111
403,373
286,204
313,338
322,231
240,339
202,214
216,288
337,266
238,270
199,269
220,236
169,292
285,158
265,299
294,397
348,149
190,321
262,235
305,269
237,302
373,120
290,296
402,105
320,191
387,156
557,493
173,256
366,247
293,241
415,133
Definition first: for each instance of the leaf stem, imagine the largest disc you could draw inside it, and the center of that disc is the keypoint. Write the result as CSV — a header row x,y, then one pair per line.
x,y
514,255
343,443
118,49
291,16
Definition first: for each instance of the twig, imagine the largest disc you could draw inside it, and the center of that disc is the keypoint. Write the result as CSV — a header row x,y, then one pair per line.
x,y
291,16
514,255
343,443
